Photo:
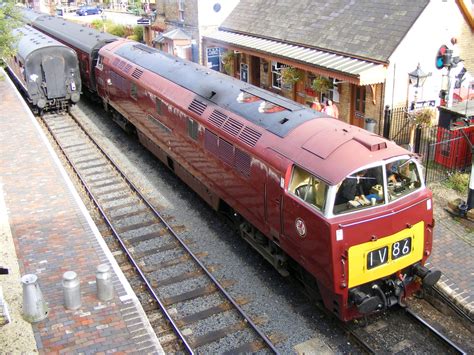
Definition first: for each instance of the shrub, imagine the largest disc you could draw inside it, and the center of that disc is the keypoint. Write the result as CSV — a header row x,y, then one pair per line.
x,y
458,182
117,30
138,33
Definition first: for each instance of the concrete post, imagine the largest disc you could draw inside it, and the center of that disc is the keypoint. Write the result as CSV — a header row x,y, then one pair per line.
x,y
34,307
72,290
105,289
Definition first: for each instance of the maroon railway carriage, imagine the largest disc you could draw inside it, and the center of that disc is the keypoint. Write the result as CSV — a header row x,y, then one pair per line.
x,y
281,171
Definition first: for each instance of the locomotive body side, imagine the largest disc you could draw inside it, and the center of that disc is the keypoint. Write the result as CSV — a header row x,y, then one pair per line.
x,y
249,153
47,71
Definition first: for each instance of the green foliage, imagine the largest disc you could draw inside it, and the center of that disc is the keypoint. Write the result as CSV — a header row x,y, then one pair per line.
x,y
138,33
9,19
321,84
228,61
97,24
290,75
458,182
423,117
117,30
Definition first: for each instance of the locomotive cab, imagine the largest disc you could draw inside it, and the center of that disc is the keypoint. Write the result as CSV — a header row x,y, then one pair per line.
x,y
385,261
378,222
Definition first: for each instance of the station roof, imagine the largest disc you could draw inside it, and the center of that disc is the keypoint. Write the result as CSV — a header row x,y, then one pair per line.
x,y
357,71
365,29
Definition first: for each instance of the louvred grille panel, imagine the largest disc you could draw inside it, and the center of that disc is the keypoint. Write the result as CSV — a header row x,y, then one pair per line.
x,y
250,136
197,107
137,73
217,118
232,126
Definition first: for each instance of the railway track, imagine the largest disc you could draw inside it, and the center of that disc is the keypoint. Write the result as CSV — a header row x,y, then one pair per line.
x,y
404,331
171,282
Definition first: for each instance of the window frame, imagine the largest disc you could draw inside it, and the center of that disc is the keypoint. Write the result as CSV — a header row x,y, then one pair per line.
x,y
292,187
276,75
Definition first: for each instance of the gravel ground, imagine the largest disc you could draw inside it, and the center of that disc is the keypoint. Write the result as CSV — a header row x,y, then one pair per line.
x,y
271,297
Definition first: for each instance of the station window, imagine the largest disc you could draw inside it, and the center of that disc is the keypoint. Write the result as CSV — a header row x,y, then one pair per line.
x,y
133,91
276,75
193,127
181,10
308,188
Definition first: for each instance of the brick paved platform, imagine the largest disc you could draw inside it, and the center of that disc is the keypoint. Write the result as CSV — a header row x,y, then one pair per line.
x,y
53,233
453,254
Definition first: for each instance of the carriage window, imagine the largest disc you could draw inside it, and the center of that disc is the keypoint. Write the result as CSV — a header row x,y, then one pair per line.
x,y
308,188
133,90
403,177
361,189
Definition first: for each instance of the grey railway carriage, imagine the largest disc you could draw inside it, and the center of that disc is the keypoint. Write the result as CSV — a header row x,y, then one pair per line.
x,y
46,70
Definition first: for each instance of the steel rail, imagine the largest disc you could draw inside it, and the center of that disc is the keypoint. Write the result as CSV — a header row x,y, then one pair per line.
x,y
455,307
170,229
435,331
130,257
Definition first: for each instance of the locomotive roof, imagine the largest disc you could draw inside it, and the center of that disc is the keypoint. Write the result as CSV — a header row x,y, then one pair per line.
x,y
329,148
80,36
220,89
32,40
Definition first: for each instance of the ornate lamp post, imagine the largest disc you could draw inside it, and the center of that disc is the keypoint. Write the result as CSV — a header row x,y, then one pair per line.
x,y
417,79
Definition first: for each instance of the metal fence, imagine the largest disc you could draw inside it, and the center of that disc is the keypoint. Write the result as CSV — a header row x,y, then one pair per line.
x,y
442,151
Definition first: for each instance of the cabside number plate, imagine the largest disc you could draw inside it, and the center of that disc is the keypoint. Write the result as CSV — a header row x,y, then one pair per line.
x,y
380,256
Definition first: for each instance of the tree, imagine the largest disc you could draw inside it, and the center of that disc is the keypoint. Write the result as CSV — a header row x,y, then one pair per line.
x,y
9,19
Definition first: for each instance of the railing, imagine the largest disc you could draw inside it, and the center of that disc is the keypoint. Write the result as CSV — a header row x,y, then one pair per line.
x,y
442,152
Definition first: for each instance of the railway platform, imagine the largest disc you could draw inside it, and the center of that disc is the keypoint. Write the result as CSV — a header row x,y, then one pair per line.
x,y
45,230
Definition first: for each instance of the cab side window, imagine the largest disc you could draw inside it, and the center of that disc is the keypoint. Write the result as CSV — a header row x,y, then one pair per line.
x,y
308,188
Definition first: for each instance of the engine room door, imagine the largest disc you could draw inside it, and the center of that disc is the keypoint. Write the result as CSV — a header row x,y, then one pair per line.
x,y
273,192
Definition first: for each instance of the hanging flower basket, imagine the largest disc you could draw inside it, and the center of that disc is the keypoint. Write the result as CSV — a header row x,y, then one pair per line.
x,y
423,117
228,61
290,75
322,84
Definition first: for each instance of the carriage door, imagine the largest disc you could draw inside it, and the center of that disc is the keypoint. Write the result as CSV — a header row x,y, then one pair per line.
x,y
358,105
102,75
53,71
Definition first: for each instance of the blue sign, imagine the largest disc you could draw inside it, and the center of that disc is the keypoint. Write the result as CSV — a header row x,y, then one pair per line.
x,y
213,58
144,21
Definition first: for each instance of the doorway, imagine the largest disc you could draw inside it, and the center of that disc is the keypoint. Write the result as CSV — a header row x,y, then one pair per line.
x,y
358,105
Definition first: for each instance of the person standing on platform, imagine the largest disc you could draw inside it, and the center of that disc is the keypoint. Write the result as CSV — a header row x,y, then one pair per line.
x,y
316,105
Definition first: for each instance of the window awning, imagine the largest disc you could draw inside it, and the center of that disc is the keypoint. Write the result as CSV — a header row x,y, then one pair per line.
x,y
354,70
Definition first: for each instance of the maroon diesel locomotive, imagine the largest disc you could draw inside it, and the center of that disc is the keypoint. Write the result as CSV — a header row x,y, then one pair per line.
x,y
346,209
